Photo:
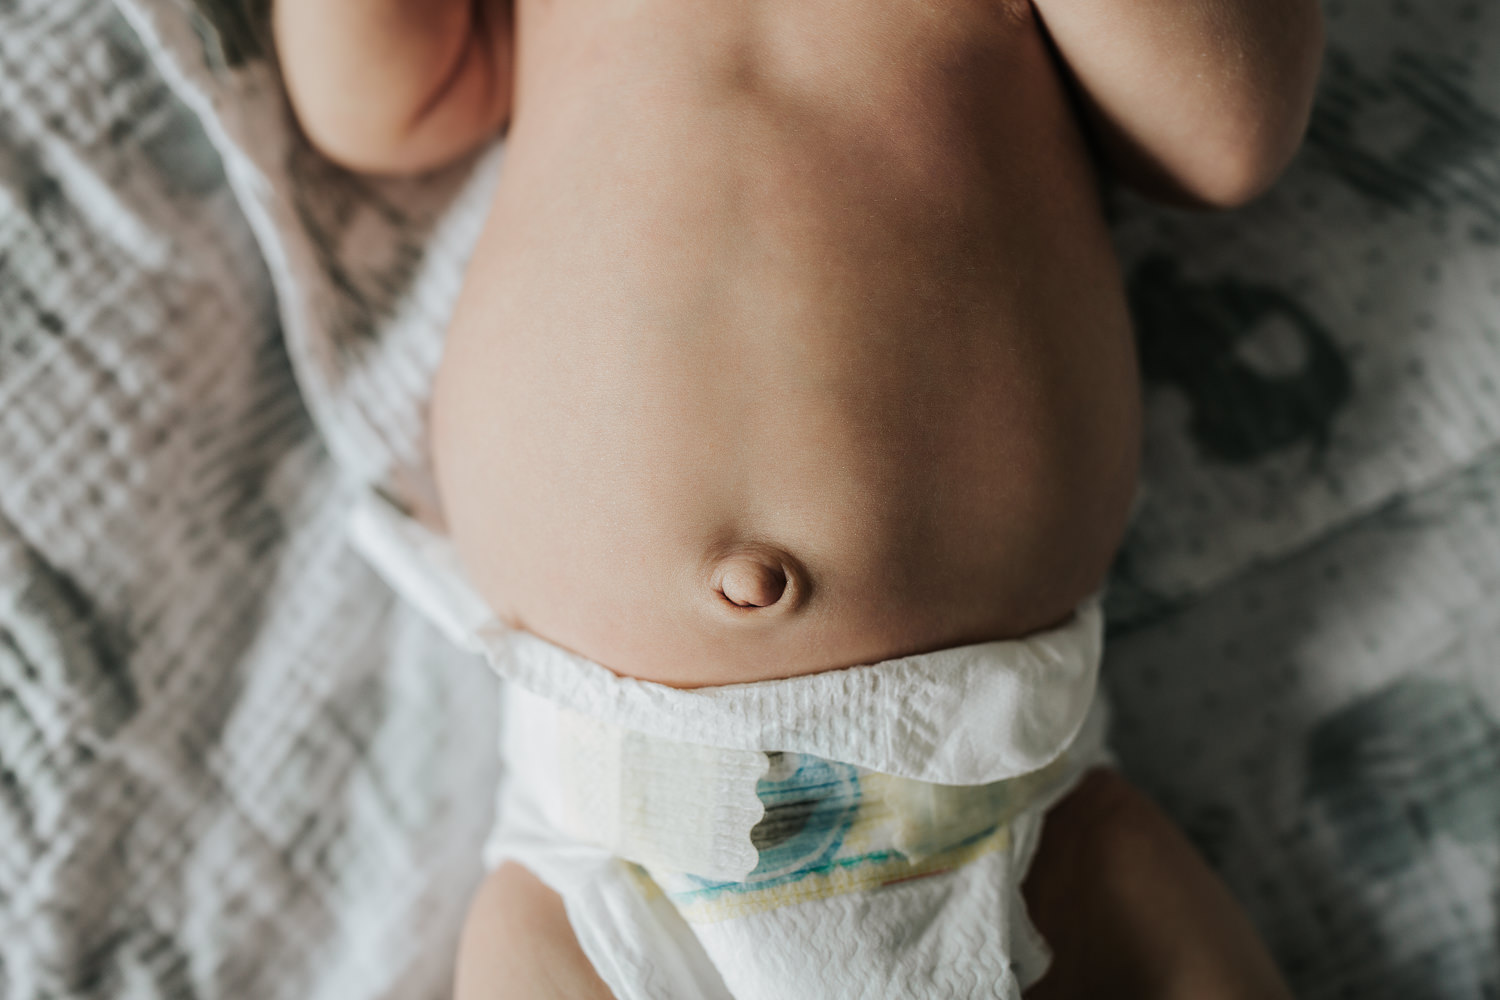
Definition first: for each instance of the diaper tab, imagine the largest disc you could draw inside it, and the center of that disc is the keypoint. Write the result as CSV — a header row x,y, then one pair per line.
x,y
684,806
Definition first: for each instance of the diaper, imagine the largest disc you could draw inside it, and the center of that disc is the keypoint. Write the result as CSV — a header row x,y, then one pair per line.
x,y
855,833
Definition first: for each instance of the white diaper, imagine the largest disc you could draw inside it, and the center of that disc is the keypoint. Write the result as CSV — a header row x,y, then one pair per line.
x,y
856,833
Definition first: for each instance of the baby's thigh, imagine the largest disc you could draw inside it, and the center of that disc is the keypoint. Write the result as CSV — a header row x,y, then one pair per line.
x,y
1132,911
518,945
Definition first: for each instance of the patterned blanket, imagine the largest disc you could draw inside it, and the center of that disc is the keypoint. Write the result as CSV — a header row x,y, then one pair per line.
x,y
232,765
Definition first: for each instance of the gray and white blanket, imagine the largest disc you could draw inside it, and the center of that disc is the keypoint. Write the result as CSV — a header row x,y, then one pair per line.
x,y
232,765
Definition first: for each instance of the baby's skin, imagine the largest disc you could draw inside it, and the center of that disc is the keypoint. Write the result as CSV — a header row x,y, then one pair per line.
x,y
795,340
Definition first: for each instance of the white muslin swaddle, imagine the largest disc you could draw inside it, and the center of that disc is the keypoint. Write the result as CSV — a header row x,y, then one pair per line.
x,y
861,832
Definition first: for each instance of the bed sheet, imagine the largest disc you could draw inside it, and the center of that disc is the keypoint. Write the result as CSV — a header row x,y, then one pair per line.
x,y
231,765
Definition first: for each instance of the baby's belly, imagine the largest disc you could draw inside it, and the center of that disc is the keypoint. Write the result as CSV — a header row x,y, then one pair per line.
x,y
761,371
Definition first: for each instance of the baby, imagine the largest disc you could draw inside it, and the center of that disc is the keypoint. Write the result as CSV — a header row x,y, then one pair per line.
x,y
795,341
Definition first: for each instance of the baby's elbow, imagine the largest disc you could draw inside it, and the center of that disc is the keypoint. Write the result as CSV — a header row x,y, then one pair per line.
x,y
392,143
376,148
1219,168
1260,130
1240,169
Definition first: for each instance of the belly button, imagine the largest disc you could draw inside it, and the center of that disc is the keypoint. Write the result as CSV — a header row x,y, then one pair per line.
x,y
758,578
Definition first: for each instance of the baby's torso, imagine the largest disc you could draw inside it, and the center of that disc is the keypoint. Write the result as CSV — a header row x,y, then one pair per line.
x,y
824,285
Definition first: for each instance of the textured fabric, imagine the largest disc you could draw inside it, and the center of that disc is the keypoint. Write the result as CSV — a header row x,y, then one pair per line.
x,y
231,764
1340,766
209,710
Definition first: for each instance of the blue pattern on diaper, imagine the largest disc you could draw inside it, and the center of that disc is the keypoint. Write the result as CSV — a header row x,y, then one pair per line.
x,y
811,803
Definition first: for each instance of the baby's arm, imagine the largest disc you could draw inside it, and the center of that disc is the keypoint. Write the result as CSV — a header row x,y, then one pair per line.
x,y
396,86
1192,100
